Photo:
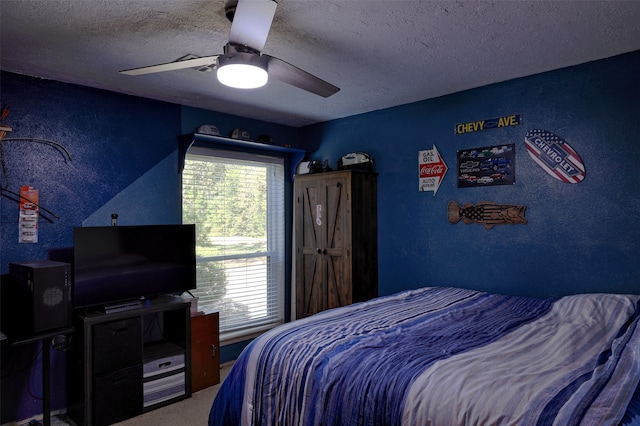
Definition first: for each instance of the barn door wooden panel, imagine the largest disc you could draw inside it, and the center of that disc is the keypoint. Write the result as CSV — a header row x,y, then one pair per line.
x,y
335,235
311,293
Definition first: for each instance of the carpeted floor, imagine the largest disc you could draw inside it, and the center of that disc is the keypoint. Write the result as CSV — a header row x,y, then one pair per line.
x,y
192,411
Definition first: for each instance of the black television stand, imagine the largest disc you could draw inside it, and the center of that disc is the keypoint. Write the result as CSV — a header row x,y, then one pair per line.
x,y
124,363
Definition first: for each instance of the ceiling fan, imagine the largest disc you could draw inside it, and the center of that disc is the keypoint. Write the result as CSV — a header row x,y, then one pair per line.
x,y
242,65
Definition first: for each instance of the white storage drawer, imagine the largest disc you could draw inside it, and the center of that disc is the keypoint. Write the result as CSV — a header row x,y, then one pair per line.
x,y
162,366
163,389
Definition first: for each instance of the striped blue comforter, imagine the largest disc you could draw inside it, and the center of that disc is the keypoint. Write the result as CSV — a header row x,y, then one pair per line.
x,y
442,356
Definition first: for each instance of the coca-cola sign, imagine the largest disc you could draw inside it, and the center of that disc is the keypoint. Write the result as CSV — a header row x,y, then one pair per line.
x,y
431,168
427,170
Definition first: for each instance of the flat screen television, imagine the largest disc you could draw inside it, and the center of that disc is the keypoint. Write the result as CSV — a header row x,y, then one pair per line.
x,y
118,264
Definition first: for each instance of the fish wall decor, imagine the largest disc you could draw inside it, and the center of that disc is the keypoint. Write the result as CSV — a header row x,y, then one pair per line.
x,y
486,213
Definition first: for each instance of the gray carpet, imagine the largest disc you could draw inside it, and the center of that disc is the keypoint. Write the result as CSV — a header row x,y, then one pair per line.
x,y
192,411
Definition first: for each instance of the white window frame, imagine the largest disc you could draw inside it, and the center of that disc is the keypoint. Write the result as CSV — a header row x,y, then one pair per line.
x,y
274,255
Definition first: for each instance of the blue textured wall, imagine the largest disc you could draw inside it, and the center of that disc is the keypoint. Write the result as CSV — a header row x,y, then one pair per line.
x,y
579,237
123,160
113,141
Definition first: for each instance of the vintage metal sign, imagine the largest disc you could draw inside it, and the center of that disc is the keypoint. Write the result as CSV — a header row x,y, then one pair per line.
x,y
555,156
487,166
29,212
431,169
488,123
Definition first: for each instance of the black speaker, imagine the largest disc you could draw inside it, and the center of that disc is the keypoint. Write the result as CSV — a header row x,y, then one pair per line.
x,y
41,296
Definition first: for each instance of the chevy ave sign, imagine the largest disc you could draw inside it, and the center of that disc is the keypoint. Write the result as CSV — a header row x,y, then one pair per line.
x,y
488,123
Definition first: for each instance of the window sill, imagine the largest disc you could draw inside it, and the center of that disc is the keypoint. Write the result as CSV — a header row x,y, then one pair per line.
x,y
242,335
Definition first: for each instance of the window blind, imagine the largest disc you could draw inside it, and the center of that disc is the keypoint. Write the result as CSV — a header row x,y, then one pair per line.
x,y
236,201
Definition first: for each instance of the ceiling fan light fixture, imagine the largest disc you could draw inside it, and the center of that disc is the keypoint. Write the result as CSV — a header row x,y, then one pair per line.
x,y
242,71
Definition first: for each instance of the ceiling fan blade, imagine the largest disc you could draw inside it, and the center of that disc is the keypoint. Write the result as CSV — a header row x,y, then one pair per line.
x,y
251,23
290,74
171,66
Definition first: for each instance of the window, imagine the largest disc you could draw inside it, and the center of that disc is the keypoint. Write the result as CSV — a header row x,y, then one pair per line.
x,y
236,201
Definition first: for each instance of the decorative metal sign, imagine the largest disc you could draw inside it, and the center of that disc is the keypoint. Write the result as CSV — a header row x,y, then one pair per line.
x,y
486,166
488,123
486,213
28,223
555,156
431,169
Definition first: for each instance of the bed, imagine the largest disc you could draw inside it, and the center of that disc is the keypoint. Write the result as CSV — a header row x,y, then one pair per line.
x,y
444,356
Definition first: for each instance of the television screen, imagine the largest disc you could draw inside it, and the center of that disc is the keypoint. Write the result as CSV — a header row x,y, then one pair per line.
x,y
115,264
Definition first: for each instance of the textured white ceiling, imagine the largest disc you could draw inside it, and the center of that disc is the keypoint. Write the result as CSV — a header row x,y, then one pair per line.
x,y
380,53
